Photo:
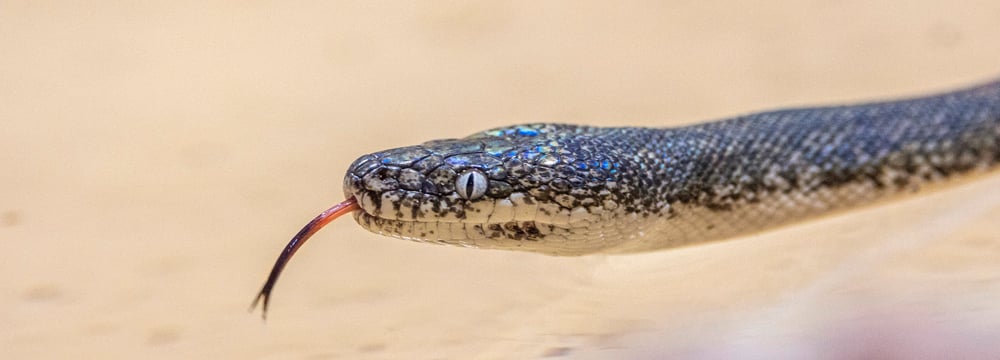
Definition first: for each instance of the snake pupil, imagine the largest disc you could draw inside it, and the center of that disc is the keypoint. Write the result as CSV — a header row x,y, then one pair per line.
x,y
470,185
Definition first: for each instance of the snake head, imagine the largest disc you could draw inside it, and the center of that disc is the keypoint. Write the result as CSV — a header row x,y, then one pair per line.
x,y
522,187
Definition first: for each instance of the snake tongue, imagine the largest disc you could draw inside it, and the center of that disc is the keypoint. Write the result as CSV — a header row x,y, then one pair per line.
x,y
297,241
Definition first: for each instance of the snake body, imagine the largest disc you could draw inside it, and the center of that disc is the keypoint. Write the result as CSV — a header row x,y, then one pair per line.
x,y
571,190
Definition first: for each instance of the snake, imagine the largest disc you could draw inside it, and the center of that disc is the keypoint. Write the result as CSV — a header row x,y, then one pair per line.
x,y
568,190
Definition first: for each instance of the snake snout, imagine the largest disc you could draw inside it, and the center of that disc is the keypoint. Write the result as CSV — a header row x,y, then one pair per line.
x,y
410,184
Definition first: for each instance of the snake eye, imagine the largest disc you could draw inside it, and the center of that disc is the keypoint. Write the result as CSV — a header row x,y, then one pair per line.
x,y
471,185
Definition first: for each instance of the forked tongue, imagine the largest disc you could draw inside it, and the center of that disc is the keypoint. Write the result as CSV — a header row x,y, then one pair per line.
x,y
307,231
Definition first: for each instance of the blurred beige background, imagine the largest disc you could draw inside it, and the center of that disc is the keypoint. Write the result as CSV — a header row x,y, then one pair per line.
x,y
156,157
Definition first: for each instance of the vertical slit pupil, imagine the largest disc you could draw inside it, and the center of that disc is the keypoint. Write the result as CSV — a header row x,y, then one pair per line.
x,y
470,184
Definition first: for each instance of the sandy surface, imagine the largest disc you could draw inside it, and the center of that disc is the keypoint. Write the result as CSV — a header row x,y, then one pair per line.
x,y
156,157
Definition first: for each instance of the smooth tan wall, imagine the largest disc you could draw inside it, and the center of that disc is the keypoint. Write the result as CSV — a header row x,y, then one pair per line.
x,y
155,157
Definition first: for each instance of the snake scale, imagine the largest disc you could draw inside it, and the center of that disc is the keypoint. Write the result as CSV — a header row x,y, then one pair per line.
x,y
573,190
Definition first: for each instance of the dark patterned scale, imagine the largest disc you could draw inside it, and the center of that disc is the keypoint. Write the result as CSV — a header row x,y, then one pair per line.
x,y
570,190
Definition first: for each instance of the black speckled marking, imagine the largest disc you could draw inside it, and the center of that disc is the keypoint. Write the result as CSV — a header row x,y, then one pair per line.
x,y
721,166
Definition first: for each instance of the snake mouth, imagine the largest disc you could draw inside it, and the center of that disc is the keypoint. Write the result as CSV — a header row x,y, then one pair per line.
x,y
414,217
412,206
403,229
466,234
529,236
483,225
